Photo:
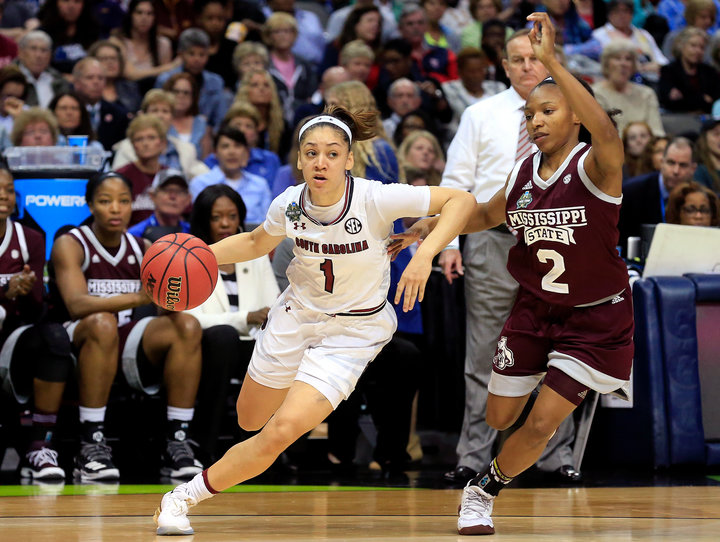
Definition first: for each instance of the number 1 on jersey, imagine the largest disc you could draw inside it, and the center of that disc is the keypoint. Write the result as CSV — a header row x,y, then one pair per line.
x,y
327,268
558,268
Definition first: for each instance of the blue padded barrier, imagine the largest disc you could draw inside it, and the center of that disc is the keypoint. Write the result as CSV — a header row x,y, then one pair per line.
x,y
649,373
712,450
707,287
676,315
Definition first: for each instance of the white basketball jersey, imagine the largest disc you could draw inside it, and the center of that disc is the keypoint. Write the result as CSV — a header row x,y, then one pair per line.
x,y
341,267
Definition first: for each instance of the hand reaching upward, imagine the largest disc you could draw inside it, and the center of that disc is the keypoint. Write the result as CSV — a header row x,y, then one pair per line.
x,y
542,36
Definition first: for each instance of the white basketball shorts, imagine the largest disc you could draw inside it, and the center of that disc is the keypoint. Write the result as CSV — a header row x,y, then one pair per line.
x,y
327,352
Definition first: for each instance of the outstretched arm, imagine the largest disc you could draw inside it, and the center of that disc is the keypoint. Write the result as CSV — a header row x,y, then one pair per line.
x,y
483,216
604,163
245,246
455,207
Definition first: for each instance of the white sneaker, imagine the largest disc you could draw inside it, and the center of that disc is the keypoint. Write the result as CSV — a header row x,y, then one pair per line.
x,y
474,514
171,517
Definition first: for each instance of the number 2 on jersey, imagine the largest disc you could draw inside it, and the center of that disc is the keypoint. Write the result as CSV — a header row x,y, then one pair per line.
x,y
327,268
558,268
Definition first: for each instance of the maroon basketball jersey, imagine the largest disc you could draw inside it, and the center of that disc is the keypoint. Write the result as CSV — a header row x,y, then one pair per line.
x,y
18,247
109,274
567,233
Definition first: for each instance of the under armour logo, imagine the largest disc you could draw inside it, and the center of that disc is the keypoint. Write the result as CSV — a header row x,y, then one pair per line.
x,y
299,226
180,435
98,436
567,178
287,308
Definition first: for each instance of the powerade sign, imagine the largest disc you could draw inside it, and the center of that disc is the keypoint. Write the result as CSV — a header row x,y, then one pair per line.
x,y
52,203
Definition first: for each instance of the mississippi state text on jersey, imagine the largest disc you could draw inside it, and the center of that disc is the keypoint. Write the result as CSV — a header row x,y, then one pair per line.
x,y
106,274
567,233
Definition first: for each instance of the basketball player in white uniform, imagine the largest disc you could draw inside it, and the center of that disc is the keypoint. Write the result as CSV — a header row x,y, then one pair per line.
x,y
332,320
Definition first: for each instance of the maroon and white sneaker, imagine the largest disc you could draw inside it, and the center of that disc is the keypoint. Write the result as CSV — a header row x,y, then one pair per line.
x,y
41,463
474,514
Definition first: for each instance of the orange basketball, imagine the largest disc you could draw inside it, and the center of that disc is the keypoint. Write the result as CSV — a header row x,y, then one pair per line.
x,y
179,272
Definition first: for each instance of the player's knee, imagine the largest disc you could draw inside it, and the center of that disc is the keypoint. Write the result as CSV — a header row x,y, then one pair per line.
x,y
187,327
101,327
539,428
500,420
248,422
279,433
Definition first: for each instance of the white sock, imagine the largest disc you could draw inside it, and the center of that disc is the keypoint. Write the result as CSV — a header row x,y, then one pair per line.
x,y
94,415
197,488
180,414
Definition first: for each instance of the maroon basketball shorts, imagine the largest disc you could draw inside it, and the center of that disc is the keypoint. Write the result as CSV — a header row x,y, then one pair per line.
x,y
579,348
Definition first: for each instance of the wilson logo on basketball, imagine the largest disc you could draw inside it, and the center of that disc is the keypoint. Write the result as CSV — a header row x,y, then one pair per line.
x,y
174,286
150,285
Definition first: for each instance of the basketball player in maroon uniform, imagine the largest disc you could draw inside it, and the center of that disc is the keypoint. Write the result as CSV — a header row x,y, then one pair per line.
x,y
35,359
97,273
572,322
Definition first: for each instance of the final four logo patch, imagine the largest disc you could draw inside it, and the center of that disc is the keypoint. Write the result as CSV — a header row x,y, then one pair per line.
x,y
525,200
293,212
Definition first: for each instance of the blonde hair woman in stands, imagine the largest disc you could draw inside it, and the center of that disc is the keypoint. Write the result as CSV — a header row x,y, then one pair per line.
x,y
374,158
258,88
420,149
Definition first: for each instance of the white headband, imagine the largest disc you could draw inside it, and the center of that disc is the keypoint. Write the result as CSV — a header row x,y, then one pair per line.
x,y
326,118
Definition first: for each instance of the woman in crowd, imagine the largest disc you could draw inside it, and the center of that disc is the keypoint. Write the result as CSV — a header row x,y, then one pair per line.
x,y
414,120
146,53
231,317
258,88
374,157
232,152
13,90
638,153
493,44
262,162
73,29
249,55
35,127
118,90
359,60
178,154
473,84
636,102
420,149
148,136
187,122
212,17
364,23
707,148
296,379
72,118
699,14
483,11
692,204
437,34
657,150
295,78
688,85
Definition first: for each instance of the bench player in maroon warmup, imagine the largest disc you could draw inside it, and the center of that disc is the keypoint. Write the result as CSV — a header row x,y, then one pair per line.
x,y
572,321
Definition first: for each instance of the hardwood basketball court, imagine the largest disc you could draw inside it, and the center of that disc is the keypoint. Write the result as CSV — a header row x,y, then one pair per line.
x,y
296,513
